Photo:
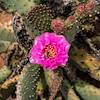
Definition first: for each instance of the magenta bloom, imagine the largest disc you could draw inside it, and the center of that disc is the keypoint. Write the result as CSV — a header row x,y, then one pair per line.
x,y
49,50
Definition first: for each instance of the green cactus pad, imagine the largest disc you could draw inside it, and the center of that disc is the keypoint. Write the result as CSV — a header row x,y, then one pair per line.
x,y
39,18
4,45
6,35
4,73
19,5
26,88
87,91
72,95
70,32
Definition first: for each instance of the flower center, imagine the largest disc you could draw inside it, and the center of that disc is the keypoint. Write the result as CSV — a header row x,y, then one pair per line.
x,y
50,51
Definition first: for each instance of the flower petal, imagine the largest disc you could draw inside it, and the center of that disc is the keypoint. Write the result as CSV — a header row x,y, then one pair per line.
x,y
58,43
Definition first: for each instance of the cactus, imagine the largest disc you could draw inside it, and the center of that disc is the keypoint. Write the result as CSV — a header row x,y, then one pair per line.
x,y
96,10
67,91
72,95
60,7
21,32
40,89
92,47
39,18
87,91
4,73
14,55
78,21
4,45
9,82
6,93
54,84
82,1
18,5
26,87
86,62
70,32
6,35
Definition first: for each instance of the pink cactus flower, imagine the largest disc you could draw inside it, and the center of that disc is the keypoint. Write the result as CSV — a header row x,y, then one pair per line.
x,y
50,51
57,25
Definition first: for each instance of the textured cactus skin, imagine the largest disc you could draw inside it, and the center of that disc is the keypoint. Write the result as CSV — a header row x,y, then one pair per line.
x,y
82,1
39,18
70,32
87,91
26,87
72,95
60,7
54,84
19,5
4,45
4,73
86,62
5,92
6,38
21,32
6,35
68,91
14,56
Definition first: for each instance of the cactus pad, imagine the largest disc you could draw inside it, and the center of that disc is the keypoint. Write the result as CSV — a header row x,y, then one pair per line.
x,y
26,88
21,32
39,18
19,5
86,62
87,91
4,73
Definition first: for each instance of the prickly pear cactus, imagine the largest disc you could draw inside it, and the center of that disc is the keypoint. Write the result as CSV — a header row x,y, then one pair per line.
x,y
39,18
21,32
27,85
21,22
18,5
4,73
4,45
86,62
72,95
87,91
